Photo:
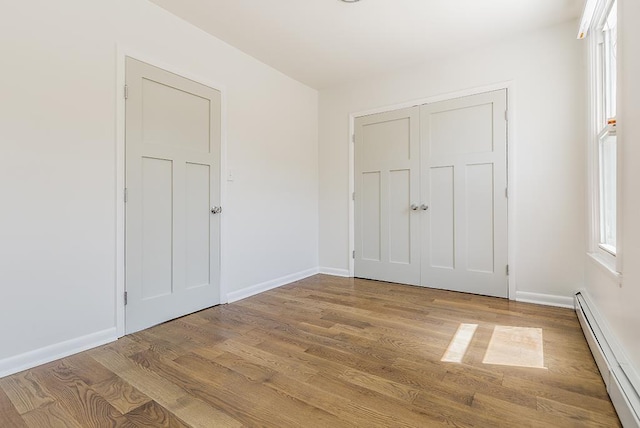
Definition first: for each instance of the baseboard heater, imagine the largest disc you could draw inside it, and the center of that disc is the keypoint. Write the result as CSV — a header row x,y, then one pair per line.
x,y
623,384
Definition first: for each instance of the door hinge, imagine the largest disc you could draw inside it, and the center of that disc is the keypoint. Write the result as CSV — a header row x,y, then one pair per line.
x,y
506,115
353,138
507,270
353,254
126,92
353,196
506,192
126,195
125,298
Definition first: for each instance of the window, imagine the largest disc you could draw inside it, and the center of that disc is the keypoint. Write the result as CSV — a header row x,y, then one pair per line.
x,y
602,35
608,41
607,154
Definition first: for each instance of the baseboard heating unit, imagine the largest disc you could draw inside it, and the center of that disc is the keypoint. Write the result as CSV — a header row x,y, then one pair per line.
x,y
623,383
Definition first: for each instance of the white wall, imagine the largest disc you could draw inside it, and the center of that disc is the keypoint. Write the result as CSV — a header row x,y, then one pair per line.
x,y
619,305
550,212
58,163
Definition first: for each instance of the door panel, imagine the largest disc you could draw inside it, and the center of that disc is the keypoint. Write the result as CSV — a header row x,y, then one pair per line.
x,y
441,209
465,229
198,188
399,224
371,227
173,117
157,230
387,141
387,184
461,130
480,202
172,179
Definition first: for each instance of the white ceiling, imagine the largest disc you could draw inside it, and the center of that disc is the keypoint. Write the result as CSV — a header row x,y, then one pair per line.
x,y
325,42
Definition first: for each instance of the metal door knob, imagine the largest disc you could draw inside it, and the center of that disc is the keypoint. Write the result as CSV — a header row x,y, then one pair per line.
x,y
216,210
424,207
414,207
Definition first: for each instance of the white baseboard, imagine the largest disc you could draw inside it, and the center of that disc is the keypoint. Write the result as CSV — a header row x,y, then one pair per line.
x,y
234,296
18,363
335,272
621,379
545,299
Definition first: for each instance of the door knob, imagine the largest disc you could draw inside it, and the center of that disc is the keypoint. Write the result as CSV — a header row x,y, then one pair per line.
x,y
414,207
424,207
216,210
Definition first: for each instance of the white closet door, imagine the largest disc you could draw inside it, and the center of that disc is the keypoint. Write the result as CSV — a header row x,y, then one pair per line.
x,y
464,180
172,180
387,183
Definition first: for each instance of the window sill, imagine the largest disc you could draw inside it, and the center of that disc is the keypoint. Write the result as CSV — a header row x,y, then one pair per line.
x,y
606,266
608,248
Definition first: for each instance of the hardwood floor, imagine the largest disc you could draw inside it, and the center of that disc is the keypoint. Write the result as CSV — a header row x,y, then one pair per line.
x,y
324,352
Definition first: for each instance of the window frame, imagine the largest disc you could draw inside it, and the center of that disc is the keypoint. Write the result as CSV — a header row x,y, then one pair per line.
x,y
599,130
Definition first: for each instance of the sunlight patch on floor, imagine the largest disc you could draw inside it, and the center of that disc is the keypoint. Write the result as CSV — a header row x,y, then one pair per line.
x,y
515,346
459,344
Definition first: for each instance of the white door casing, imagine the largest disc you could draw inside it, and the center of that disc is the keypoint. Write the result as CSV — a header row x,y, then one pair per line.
x,y
386,186
172,134
464,180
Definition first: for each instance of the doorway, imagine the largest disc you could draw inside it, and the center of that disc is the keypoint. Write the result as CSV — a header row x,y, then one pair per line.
x,y
430,198
172,209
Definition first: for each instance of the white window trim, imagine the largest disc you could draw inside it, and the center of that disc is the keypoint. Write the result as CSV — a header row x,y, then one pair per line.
x,y
611,263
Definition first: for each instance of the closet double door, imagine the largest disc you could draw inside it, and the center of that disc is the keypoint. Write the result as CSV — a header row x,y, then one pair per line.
x,y
430,195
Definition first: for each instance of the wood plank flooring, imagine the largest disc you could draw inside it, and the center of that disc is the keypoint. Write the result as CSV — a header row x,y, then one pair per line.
x,y
322,352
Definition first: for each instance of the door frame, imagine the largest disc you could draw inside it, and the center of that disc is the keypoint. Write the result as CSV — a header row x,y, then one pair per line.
x,y
511,152
121,53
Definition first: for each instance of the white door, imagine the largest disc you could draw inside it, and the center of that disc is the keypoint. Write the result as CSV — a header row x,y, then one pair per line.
x,y
387,181
173,182
464,181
